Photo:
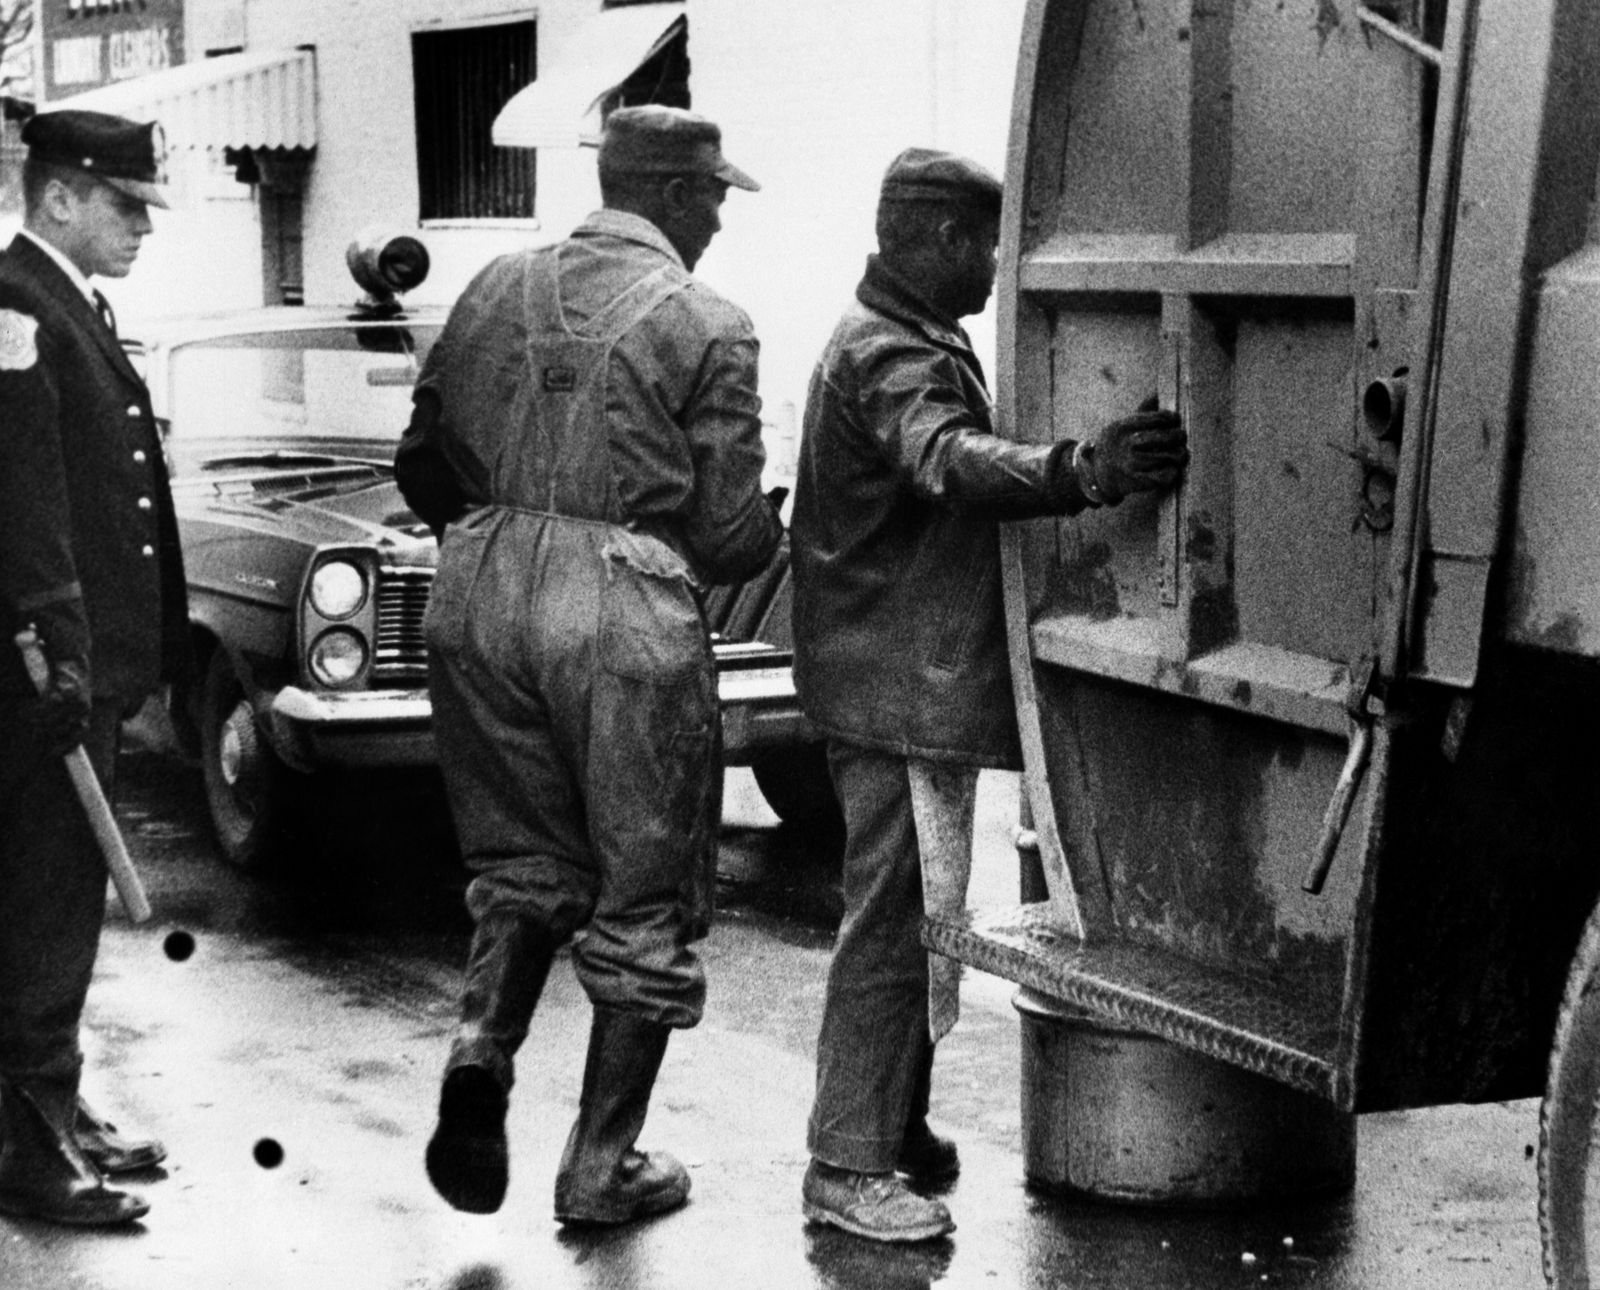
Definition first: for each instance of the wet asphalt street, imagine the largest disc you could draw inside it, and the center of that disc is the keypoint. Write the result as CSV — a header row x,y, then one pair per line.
x,y
284,1038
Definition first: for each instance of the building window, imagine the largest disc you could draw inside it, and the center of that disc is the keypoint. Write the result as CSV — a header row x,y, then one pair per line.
x,y
463,77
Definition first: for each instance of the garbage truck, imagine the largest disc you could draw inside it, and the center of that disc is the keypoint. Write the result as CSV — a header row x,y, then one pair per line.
x,y
1311,743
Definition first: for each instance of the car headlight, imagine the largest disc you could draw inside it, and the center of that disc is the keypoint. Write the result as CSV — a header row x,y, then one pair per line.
x,y
337,656
338,589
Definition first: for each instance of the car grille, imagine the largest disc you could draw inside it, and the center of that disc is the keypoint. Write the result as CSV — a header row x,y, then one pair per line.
x,y
402,654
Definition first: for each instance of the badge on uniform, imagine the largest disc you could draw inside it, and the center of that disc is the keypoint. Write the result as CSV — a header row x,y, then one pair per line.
x,y
19,350
560,380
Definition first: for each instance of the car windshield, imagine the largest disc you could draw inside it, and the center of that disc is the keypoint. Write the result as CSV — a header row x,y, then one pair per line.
x,y
329,390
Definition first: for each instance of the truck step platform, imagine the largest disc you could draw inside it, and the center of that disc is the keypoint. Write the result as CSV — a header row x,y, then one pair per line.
x,y
1220,1014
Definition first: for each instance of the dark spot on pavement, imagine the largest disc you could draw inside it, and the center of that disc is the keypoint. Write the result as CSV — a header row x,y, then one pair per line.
x,y
178,946
268,1154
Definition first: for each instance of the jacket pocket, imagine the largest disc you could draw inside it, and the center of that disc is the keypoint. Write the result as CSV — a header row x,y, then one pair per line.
x,y
651,628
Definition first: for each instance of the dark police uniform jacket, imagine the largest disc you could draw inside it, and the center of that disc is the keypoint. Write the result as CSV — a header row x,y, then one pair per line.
x,y
88,540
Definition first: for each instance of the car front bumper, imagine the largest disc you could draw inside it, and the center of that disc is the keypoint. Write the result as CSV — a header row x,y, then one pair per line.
x,y
354,728
395,727
759,711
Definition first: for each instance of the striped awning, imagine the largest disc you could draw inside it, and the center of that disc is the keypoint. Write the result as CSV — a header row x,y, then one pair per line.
x,y
561,109
264,99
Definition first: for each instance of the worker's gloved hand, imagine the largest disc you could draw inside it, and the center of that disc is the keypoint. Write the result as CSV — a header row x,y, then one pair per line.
x,y
1135,454
58,720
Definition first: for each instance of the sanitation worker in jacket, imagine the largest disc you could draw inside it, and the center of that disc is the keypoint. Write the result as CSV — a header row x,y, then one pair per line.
x,y
587,428
89,559
900,657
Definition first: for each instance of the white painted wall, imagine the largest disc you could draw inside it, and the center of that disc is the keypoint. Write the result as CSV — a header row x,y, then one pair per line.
x,y
814,100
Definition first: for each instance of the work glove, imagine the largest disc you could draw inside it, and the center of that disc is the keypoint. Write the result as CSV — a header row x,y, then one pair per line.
x,y
1135,454
58,719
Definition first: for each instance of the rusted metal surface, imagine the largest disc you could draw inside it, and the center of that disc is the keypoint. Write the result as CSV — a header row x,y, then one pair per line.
x,y
1531,131
1260,213
1553,598
1184,663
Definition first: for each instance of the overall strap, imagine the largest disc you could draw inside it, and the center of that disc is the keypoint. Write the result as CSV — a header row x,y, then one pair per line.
x,y
635,304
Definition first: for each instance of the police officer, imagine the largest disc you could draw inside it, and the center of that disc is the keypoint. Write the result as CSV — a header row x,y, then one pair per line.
x,y
587,427
900,655
89,558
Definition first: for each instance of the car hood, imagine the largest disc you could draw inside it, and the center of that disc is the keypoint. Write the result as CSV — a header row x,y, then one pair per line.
x,y
348,500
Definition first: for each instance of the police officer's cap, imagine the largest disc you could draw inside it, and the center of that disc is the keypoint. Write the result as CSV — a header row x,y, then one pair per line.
x,y
657,140
128,155
928,175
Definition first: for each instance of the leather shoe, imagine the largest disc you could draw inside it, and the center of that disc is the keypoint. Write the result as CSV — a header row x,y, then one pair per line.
x,y
879,1207
467,1160
926,1158
44,1175
108,1150
74,1204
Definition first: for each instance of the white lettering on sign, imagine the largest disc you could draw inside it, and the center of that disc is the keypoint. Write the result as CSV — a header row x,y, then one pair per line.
x,y
138,53
88,8
76,60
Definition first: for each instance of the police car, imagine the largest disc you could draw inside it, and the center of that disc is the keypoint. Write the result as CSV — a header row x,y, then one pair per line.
x,y
309,576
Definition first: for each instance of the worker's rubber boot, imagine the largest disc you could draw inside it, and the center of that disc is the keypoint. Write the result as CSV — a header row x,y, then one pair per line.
x,y
603,1178
928,1160
43,1174
108,1150
467,1160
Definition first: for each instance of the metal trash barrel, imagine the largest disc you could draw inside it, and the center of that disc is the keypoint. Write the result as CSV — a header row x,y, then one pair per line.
x,y
1121,1115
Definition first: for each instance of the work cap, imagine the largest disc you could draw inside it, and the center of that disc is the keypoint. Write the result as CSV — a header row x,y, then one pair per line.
x,y
128,155
656,140
928,175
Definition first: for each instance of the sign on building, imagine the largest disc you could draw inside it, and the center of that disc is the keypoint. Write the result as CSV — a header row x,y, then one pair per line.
x,y
95,42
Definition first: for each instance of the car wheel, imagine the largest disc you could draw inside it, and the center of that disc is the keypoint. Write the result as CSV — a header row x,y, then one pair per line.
x,y
797,786
247,787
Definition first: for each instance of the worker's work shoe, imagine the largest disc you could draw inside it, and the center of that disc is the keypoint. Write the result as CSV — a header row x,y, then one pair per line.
x,y
927,1159
44,1175
879,1207
108,1150
639,1185
467,1160
604,1178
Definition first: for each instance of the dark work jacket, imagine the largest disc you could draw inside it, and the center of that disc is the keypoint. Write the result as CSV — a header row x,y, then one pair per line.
x,y
899,633
88,541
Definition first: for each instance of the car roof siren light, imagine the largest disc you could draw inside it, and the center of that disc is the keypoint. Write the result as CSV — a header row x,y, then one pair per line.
x,y
385,264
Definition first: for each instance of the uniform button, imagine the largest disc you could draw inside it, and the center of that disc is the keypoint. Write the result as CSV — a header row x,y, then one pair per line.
x,y
134,409
148,551
138,457
144,503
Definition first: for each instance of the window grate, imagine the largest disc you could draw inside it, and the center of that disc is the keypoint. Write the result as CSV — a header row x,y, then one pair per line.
x,y
463,77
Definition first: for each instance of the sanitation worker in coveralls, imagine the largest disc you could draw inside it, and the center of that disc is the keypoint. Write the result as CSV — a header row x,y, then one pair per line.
x,y
900,657
587,427
89,558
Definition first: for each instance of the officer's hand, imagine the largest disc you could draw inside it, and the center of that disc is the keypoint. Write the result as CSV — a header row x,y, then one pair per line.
x,y
58,719
1136,454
